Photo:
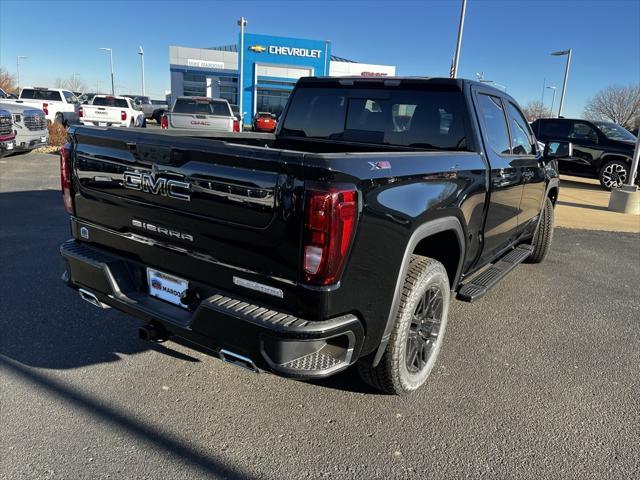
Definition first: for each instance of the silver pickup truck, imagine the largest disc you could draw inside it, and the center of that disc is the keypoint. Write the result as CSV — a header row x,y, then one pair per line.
x,y
201,113
29,126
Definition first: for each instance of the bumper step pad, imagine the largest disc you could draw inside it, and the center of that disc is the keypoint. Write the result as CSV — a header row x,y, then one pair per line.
x,y
479,285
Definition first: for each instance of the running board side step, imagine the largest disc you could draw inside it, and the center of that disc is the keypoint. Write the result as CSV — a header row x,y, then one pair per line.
x,y
479,285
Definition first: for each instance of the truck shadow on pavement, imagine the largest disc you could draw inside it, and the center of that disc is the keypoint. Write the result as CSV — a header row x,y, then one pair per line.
x,y
45,324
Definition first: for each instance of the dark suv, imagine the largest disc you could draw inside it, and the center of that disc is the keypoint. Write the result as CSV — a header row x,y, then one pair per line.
x,y
601,150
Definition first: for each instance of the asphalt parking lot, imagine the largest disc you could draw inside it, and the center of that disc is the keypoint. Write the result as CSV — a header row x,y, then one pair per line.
x,y
540,379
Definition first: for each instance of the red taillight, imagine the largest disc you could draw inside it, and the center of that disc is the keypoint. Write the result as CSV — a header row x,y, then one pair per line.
x,y
45,108
330,221
80,113
65,179
236,125
164,121
123,115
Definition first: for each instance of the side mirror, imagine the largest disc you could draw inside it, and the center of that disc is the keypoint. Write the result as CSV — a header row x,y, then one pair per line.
x,y
558,150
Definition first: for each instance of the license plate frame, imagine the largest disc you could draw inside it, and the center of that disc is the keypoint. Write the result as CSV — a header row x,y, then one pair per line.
x,y
102,124
174,286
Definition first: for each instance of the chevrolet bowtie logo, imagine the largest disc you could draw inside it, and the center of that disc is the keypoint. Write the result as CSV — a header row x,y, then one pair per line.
x,y
258,48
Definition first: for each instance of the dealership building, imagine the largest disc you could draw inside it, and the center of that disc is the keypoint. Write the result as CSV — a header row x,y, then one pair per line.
x,y
271,67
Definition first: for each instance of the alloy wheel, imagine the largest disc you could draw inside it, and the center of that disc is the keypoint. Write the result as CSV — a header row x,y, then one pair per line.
x,y
614,175
424,329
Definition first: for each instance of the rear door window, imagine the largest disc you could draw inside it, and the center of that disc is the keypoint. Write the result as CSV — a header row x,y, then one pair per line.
x,y
553,129
496,132
403,117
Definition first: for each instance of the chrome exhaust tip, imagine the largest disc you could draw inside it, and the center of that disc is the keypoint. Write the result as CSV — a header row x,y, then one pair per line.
x,y
238,360
90,297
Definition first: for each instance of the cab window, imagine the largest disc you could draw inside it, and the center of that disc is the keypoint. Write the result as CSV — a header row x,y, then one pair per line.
x,y
583,131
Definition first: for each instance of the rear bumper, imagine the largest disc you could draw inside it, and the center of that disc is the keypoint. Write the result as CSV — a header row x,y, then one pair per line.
x,y
220,322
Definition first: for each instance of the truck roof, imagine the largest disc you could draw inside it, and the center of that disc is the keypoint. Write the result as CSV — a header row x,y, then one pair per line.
x,y
398,80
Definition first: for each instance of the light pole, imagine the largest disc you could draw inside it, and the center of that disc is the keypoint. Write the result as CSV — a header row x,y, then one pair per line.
x,y
566,75
18,58
456,59
241,23
553,99
113,88
141,53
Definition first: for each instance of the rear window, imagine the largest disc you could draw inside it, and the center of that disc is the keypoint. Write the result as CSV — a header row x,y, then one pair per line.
x,y
35,94
110,102
407,118
201,107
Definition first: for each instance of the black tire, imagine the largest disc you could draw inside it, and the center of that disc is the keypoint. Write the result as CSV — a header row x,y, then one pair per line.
x,y
396,374
543,235
613,174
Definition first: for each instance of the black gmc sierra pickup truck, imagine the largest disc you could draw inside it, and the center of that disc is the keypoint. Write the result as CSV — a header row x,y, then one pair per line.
x,y
338,240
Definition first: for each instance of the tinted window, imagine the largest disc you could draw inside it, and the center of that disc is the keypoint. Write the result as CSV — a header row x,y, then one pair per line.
x,y
552,129
495,125
583,131
521,143
110,102
408,118
50,95
201,107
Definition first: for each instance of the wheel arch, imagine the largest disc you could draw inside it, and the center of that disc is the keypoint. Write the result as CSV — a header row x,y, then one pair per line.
x,y
431,239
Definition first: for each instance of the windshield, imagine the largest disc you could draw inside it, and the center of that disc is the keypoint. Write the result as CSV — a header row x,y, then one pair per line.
x,y
613,131
110,102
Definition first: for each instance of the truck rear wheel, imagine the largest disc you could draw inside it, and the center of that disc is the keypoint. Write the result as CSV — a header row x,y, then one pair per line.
x,y
543,235
418,332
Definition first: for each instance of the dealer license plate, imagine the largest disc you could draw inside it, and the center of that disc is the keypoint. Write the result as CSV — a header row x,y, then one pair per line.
x,y
43,139
166,287
102,124
10,146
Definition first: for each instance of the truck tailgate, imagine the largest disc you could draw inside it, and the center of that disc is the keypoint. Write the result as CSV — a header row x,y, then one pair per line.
x,y
205,122
99,114
233,203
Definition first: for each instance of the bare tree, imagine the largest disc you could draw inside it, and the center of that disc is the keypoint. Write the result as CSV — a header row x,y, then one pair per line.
x,y
8,81
618,104
535,110
72,83
76,85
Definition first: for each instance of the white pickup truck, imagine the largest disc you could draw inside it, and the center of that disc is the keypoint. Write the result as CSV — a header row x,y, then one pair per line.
x,y
59,105
108,111
201,113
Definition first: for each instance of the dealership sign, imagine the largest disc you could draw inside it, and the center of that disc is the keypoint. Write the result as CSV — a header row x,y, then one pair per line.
x,y
204,63
287,51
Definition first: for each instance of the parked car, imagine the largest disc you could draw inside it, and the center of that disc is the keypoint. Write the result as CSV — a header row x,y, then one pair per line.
x,y
59,105
336,241
150,110
29,126
7,133
201,113
108,111
264,122
600,150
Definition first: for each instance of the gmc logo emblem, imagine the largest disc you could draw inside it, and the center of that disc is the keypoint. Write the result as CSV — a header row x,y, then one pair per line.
x,y
146,182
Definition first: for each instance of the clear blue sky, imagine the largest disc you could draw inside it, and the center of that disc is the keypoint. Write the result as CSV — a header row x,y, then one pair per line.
x,y
509,41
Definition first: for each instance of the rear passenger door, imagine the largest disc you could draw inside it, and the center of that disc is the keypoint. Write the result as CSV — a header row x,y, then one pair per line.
x,y
506,180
